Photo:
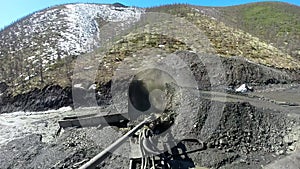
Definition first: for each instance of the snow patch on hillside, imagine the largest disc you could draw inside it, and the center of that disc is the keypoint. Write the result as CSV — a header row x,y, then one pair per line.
x,y
62,31
82,31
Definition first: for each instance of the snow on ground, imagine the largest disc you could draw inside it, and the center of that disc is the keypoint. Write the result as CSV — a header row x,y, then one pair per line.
x,y
64,30
83,30
18,124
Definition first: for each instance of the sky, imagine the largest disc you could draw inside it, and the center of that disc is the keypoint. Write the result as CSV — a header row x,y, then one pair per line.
x,y
12,10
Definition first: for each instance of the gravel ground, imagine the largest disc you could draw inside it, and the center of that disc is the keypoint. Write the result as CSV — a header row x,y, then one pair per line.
x,y
244,136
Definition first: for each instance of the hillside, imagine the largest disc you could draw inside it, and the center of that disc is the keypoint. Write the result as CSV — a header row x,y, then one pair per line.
x,y
229,40
49,40
273,22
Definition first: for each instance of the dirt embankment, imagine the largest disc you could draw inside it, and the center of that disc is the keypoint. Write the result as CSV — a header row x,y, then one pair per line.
x,y
52,97
237,71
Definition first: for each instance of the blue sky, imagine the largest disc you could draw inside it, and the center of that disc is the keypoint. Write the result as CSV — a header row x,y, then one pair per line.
x,y
11,10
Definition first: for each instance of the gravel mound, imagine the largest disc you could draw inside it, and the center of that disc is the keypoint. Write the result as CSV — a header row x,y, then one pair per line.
x,y
245,129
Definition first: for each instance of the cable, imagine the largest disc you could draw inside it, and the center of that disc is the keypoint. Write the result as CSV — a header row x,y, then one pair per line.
x,y
153,162
144,138
141,148
146,147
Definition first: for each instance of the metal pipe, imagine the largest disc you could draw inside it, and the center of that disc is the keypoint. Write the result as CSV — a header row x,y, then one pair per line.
x,y
106,152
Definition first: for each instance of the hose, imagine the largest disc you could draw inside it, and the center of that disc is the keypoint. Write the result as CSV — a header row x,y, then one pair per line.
x,y
146,146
